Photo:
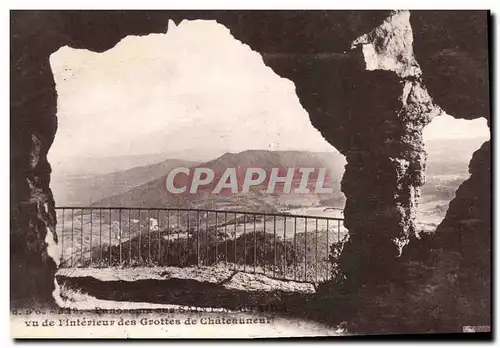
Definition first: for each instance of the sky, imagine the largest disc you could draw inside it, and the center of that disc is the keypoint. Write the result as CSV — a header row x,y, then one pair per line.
x,y
192,89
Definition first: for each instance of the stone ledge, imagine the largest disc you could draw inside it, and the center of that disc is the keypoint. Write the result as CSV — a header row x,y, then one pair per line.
x,y
223,276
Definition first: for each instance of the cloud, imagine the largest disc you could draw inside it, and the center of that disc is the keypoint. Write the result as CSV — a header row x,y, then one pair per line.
x,y
448,127
195,78
192,87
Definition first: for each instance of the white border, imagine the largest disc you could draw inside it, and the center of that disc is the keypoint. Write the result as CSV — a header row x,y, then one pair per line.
x,y
255,4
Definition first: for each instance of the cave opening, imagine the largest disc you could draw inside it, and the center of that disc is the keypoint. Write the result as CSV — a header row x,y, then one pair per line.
x,y
193,97
194,94
450,144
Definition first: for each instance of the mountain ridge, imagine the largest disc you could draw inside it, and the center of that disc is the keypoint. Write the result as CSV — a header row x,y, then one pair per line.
x,y
86,190
147,195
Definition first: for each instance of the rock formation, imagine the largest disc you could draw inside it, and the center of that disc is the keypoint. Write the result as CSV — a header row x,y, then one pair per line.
x,y
386,155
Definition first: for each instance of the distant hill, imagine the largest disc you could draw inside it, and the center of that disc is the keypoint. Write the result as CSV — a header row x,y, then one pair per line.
x,y
83,190
451,156
274,159
154,193
447,167
91,166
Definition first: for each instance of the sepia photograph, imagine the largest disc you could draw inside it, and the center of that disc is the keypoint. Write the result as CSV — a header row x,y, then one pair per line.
x,y
250,173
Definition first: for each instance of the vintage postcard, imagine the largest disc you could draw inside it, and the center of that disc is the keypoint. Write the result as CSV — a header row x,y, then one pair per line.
x,y
249,174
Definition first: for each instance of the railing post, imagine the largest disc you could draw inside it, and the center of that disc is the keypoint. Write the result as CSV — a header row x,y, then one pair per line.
x,y
216,236
274,240
140,239
305,249
149,236
168,237
198,238
225,236
120,234
235,225
338,231
295,248
179,237
91,232
81,237
159,238
206,238
254,246
284,246
186,245
327,249
316,254
110,244
62,237
264,245
130,237
100,236
188,233
244,242
72,235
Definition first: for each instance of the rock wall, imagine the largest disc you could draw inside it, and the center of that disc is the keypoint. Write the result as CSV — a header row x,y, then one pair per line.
x,y
458,78
452,50
355,73
467,226
32,219
466,232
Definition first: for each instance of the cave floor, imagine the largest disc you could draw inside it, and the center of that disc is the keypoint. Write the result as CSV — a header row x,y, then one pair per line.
x,y
204,294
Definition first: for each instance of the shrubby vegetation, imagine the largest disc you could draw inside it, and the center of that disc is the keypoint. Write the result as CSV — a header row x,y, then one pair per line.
x,y
306,257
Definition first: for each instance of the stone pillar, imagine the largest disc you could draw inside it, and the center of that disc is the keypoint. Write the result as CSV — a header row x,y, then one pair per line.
x,y
385,151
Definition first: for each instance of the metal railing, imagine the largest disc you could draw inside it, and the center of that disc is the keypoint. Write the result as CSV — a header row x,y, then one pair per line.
x,y
279,245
